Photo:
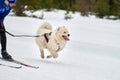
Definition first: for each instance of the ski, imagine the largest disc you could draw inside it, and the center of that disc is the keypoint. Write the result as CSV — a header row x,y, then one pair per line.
x,y
24,64
16,67
21,63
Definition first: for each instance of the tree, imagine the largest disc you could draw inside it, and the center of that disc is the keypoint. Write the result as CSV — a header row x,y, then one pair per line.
x,y
101,8
85,6
114,7
23,5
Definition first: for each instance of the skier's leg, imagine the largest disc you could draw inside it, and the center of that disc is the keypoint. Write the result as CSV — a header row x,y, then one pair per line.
x,y
3,41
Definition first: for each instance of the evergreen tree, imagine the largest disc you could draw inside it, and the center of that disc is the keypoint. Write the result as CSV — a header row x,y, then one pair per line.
x,y
114,7
23,5
85,6
101,8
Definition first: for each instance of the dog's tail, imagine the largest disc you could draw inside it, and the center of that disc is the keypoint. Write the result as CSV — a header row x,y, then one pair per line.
x,y
46,25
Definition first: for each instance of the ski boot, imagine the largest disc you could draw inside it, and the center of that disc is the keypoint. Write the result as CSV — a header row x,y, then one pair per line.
x,y
6,56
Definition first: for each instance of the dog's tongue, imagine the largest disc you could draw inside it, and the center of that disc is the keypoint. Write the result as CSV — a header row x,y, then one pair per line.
x,y
66,38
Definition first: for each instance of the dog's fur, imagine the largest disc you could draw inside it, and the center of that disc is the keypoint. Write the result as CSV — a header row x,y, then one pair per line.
x,y
56,39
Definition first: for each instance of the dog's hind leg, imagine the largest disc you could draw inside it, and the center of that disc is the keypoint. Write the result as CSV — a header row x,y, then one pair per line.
x,y
42,54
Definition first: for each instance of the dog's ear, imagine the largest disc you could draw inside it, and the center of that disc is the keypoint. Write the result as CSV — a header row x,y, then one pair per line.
x,y
63,26
58,28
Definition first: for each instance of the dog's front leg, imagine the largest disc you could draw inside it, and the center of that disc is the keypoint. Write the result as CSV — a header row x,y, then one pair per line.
x,y
53,54
49,56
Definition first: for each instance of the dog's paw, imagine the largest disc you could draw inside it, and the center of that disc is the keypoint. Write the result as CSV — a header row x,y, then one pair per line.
x,y
49,56
42,56
55,55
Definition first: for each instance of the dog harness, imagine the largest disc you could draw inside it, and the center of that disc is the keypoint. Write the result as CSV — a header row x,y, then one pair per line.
x,y
46,36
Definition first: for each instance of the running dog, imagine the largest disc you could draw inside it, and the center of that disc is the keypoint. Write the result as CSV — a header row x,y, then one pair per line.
x,y
52,40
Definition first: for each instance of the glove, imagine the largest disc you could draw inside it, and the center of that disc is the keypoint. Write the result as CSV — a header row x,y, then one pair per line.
x,y
2,30
7,8
6,2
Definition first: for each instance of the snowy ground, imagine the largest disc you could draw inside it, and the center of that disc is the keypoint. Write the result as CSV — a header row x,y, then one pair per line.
x,y
93,53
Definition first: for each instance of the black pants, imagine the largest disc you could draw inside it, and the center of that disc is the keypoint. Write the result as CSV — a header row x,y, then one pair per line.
x,y
2,38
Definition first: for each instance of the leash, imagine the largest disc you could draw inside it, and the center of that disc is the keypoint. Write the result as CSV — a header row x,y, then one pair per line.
x,y
21,35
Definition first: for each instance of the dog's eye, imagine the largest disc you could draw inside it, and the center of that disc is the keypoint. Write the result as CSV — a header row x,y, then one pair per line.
x,y
65,32
68,34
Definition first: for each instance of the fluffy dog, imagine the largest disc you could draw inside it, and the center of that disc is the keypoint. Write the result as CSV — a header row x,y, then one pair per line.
x,y
53,40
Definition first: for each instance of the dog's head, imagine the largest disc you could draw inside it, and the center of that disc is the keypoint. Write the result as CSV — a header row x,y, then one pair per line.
x,y
63,33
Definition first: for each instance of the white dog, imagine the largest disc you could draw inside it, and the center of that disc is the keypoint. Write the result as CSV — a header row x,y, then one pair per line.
x,y
54,40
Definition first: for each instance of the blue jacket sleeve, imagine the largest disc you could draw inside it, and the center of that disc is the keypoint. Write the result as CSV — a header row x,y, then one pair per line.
x,y
2,10
5,9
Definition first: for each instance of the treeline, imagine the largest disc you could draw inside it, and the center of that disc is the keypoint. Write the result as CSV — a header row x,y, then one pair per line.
x,y
99,8
68,5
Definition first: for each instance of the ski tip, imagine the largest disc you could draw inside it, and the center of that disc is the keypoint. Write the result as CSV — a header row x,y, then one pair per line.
x,y
36,67
19,67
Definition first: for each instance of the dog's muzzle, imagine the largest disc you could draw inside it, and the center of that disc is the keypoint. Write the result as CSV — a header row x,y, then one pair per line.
x,y
66,37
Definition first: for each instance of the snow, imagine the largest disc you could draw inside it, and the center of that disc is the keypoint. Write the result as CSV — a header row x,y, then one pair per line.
x,y
93,53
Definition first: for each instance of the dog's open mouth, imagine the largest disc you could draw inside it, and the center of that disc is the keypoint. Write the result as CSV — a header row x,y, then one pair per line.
x,y
66,38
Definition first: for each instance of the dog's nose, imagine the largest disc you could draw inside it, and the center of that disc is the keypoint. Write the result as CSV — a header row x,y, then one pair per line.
x,y
68,34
